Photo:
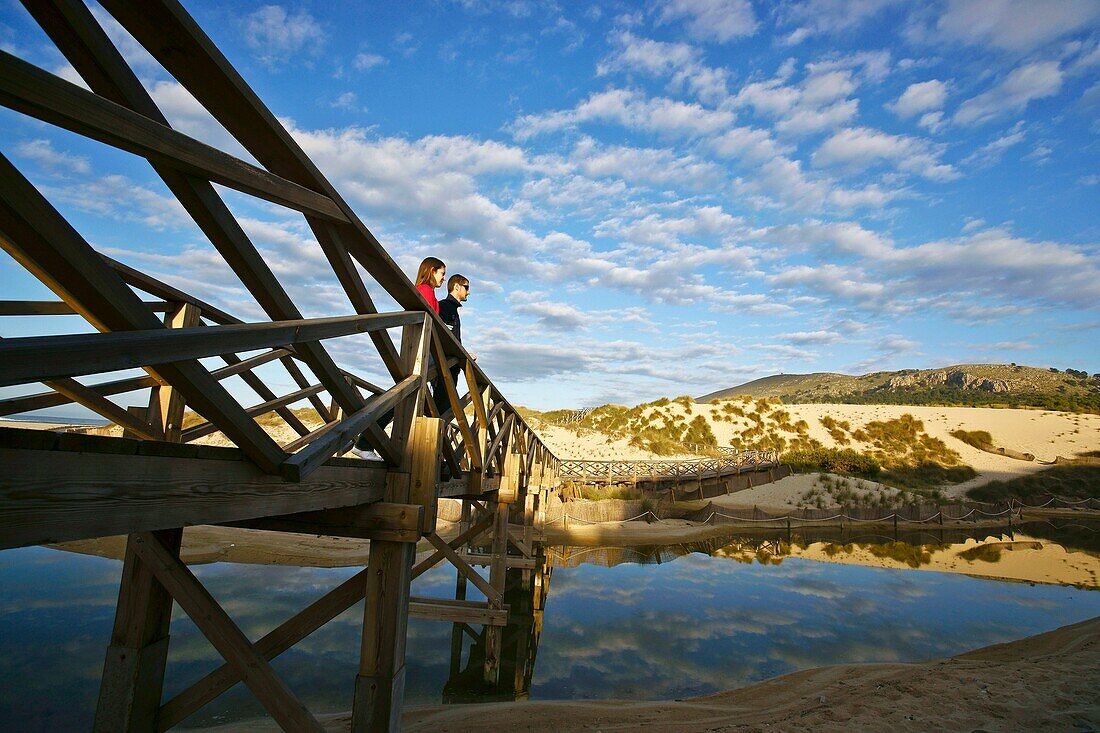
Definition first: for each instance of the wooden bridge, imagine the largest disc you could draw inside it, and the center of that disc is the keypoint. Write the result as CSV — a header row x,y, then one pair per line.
x,y
745,467
162,350
165,349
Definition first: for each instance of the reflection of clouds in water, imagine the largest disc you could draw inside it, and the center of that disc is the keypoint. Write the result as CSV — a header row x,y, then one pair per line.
x,y
817,587
686,627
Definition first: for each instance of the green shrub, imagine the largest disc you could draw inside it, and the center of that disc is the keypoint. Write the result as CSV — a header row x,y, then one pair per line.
x,y
832,460
976,438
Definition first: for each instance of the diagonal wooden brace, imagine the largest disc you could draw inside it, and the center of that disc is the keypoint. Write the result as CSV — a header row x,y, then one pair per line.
x,y
224,635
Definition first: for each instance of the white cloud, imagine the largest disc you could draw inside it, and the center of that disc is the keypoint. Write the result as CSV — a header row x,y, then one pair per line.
x,y
749,144
818,103
1029,82
275,35
1011,269
781,182
1015,25
662,167
630,109
347,100
119,197
810,337
712,20
931,121
827,16
991,152
42,152
679,62
925,96
365,61
846,282
862,147
558,316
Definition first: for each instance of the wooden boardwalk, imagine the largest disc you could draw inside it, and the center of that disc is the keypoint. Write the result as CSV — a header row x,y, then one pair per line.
x,y
162,350
663,474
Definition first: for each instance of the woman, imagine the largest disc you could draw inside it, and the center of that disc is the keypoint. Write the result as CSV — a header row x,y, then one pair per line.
x,y
430,276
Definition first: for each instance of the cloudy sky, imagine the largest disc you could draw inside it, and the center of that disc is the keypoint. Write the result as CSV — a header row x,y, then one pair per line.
x,y
652,198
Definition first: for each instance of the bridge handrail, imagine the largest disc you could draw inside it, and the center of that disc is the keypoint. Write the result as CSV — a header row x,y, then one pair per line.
x,y
121,114
661,468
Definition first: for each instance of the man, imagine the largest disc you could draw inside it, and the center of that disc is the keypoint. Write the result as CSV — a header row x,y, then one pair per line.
x,y
458,290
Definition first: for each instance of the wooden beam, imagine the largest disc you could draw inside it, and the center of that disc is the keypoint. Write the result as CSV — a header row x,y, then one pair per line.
x,y
40,239
380,683
225,636
424,443
378,521
68,491
52,308
456,406
271,645
304,462
80,394
436,557
467,612
499,440
492,594
203,429
36,358
510,561
26,88
166,404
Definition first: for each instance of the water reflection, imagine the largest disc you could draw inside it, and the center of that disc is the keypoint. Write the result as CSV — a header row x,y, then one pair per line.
x,y
1057,551
628,623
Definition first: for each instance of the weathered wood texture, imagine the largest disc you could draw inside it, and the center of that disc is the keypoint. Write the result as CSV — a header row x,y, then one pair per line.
x,y
58,487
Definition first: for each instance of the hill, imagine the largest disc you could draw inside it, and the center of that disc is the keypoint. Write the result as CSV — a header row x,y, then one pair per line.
x,y
1007,385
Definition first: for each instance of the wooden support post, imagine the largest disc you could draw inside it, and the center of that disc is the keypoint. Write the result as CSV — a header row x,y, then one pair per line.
x,y
380,683
497,575
133,671
166,402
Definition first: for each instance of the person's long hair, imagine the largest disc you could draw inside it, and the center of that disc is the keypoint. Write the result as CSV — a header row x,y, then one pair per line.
x,y
427,267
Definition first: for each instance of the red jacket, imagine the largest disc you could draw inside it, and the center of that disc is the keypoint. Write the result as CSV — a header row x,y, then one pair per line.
x,y
427,292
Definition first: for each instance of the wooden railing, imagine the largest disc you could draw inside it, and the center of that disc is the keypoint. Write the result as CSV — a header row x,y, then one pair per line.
x,y
679,470
158,479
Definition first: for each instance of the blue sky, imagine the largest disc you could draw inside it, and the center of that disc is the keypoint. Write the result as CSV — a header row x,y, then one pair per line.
x,y
652,198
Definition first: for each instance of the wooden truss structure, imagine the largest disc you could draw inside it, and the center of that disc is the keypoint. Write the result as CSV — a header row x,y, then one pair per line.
x,y
157,479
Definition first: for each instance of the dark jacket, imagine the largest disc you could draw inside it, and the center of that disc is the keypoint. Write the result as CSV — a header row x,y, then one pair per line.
x,y
448,311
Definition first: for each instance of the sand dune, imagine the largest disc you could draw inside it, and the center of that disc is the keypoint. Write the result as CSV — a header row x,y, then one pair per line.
x,y
1040,432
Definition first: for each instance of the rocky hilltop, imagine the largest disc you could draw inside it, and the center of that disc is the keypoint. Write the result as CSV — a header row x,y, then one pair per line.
x,y
967,384
957,378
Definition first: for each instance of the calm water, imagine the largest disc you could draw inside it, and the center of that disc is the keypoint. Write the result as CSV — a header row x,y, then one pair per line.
x,y
678,625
